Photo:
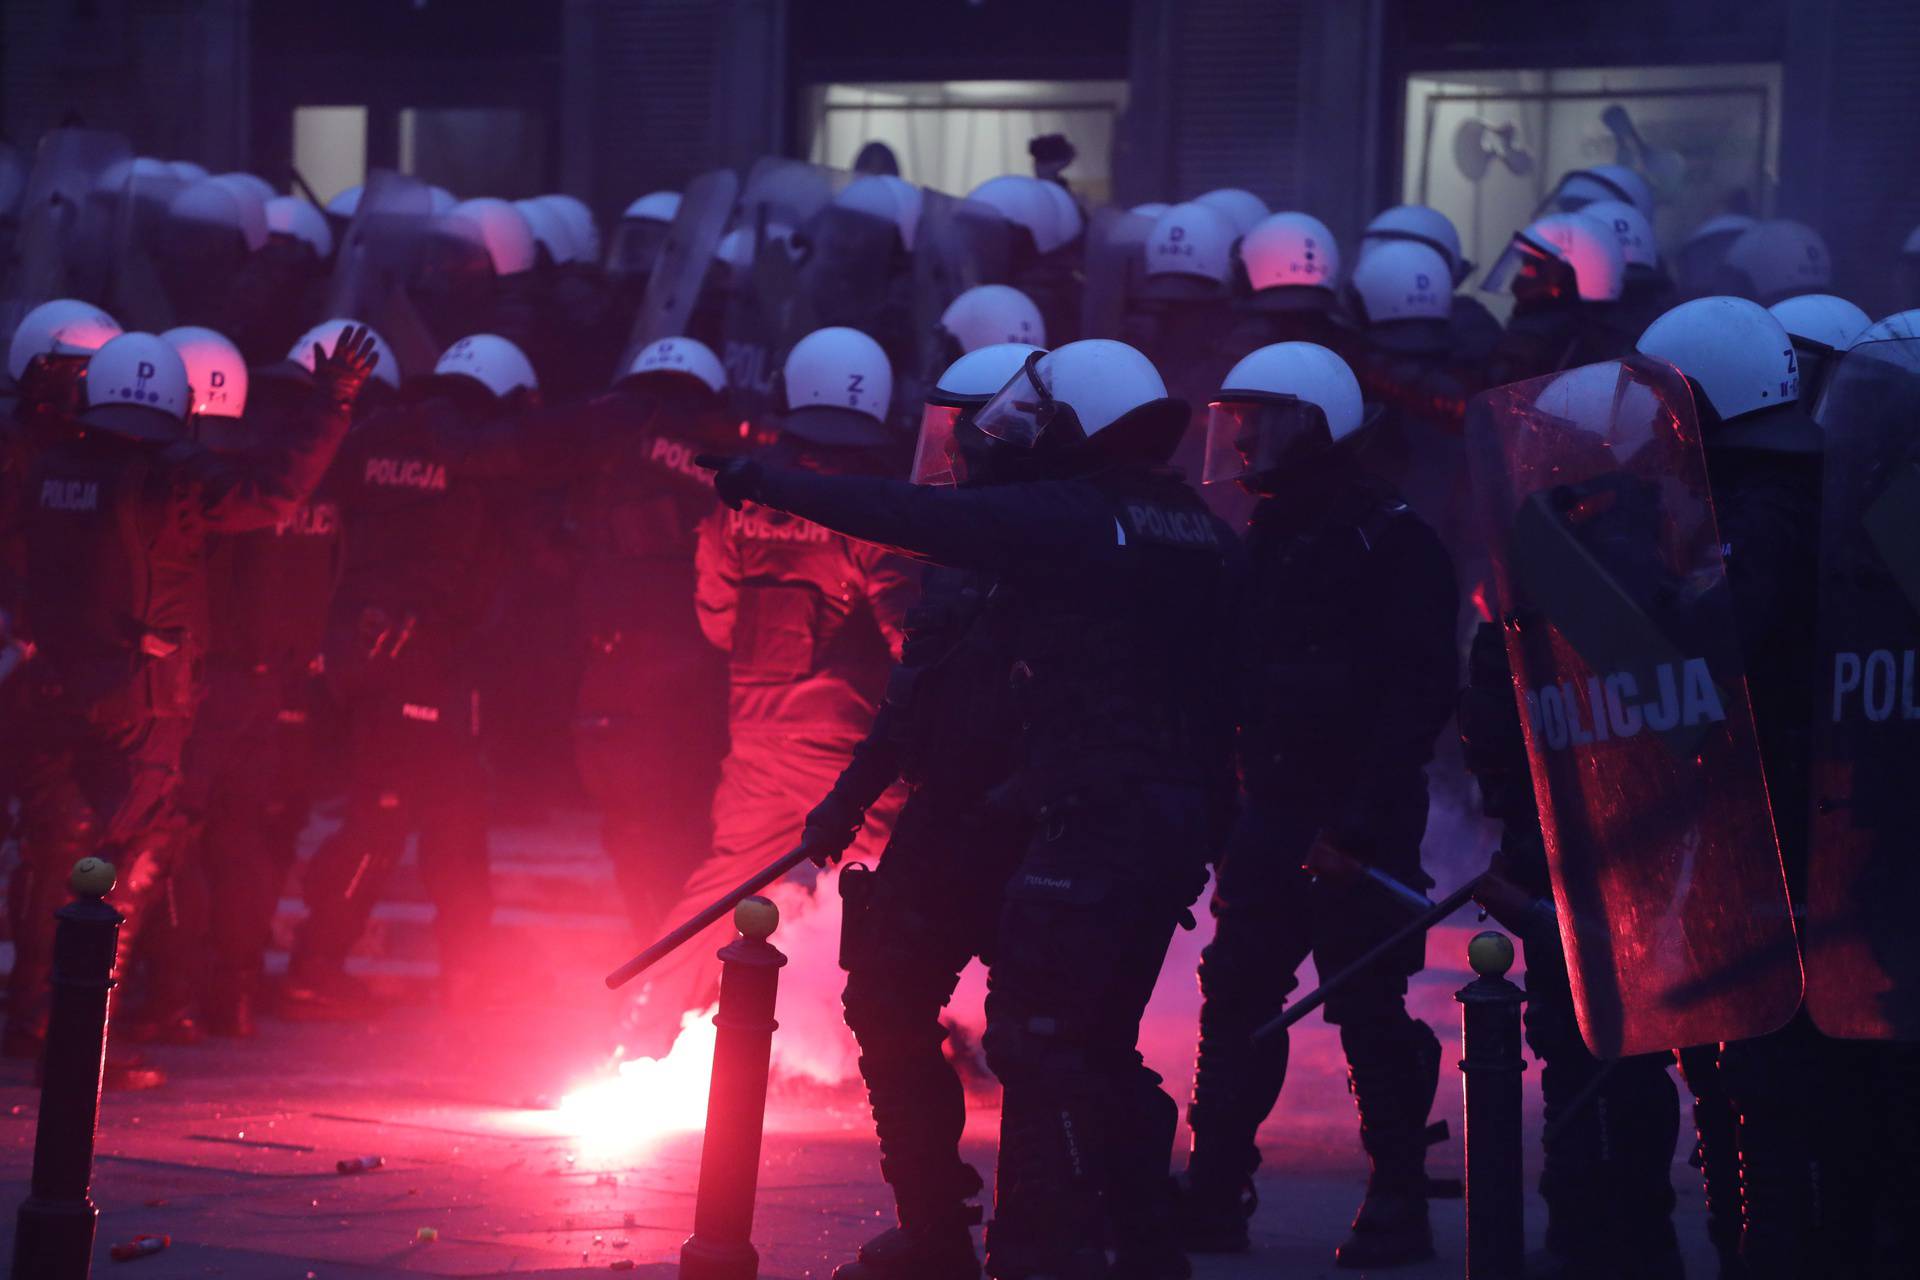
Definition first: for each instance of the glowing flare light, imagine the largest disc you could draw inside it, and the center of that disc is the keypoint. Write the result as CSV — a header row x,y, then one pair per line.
x,y
645,1099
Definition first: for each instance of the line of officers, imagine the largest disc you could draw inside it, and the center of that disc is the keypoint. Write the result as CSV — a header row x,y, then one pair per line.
x,y
1093,692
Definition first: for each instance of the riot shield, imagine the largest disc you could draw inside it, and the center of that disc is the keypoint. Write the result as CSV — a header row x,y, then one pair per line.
x,y
64,239
1613,595
685,258
959,244
1116,268
139,193
376,264
768,310
1863,874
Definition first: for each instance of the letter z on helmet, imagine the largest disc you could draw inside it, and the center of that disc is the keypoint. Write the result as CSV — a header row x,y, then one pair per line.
x,y
839,386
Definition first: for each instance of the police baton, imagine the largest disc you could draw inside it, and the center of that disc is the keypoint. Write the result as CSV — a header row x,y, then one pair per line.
x,y
1433,914
698,923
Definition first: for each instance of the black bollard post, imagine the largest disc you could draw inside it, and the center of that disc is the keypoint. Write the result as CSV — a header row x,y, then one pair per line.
x,y
720,1247
53,1237
1490,1069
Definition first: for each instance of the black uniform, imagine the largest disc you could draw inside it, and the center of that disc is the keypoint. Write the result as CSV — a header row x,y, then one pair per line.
x,y
1348,674
949,728
1547,335
116,600
810,622
1115,598
424,489
649,726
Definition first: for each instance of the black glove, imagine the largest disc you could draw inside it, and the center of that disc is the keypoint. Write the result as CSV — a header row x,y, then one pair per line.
x,y
736,480
346,370
830,829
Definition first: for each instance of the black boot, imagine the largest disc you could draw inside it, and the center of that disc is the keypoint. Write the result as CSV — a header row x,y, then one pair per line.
x,y
941,1251
1393,1073
1716,1154
1236,1082
1143,1220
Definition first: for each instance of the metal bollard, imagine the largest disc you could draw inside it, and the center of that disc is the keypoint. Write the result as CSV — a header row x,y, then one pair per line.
x,y
1490,1072
720,1247
53,1237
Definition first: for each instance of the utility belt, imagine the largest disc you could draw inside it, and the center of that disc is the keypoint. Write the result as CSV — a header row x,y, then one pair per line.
x,y
157,675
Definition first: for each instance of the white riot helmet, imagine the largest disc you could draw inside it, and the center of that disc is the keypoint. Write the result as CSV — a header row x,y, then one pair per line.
x,y
489,360
497,227
138,372
1581,187
1699,256
327,333
1605,400
1732,350
1403,280
1193,243
1020,200
63,327
1901,324
1631,228
262,189
736,247
679,357
1243,209
1071,217
346,203
989,314
886,198
441,201
838,388
1776,259
655,206
968,383
1076,393
1562,254
1281,405
225,205
579,223
550,230
1821,319
187,170
1422,225
1150,210
292,216
216,371
1290,250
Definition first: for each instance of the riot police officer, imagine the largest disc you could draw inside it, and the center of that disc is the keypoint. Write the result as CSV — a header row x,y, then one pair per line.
x,y
809,621
1564,271
423,487
649,725
122,504
1822,327
1474,329
1340,706
949,729
1292,265
1115,589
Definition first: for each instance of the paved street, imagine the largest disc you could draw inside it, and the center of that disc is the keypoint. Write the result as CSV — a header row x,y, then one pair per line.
x,y
235,1157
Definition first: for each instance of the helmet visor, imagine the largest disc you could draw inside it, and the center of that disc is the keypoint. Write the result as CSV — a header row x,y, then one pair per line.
x,y
933,455
1253,437
1020,412
1523,263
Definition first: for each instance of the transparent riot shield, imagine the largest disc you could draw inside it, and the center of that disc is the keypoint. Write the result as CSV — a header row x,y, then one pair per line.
x,y
378,261
685,258
1116,269
1863,874
64,238
138,193
1613,594
769,310
959,244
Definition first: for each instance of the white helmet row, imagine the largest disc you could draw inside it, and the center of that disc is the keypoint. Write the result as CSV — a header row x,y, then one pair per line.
x,y
1191,239
1290,249
1403,280
1422,225
216,371
327,333
292,216
65,326
1242,209
1821,320
687,357
1734,350
490,360
497,227
993,313
139,369
1050,217
842,369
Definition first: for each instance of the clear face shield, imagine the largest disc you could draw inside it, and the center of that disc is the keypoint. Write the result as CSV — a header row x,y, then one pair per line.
x,y
1024,410
934,454
1529,271
1252,441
